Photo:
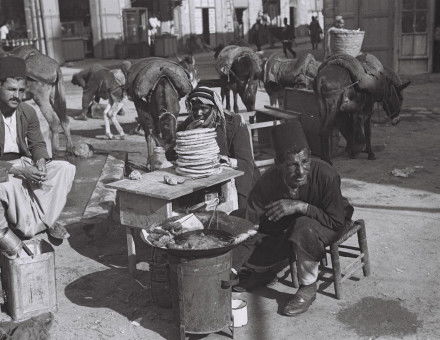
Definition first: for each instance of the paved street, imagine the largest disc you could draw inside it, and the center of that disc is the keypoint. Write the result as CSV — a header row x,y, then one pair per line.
x,y
99,300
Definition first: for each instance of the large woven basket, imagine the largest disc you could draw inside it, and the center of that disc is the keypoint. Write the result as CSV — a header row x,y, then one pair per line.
x,y
344,41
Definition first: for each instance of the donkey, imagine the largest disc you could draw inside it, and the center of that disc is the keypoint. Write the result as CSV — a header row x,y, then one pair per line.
x,y
240,71
156,86
346,95
100,82
45,85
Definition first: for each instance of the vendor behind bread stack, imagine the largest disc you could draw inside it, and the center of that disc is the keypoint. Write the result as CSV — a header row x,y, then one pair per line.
x,y
205,111
35,194
300,202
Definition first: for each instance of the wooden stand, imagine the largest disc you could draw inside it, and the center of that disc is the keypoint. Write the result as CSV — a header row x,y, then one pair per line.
x,y
150,200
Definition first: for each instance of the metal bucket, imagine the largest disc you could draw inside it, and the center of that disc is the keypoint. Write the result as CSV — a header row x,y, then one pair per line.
x,y
201,293
9,242
29,281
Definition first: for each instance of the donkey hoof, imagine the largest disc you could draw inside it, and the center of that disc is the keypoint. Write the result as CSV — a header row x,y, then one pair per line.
x,y
371,156
122,137
352,155
109,136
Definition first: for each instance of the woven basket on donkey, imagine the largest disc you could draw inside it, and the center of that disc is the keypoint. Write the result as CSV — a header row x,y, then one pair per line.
x,y
346,41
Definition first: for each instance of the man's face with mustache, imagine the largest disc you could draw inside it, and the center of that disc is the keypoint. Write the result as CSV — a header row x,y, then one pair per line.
x,y
12,92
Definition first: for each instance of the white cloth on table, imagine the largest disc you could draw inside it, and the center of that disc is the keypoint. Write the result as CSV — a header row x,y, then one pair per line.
x,y
31,209
4,31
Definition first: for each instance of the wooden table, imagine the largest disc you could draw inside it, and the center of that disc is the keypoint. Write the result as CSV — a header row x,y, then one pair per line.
x,y
149,200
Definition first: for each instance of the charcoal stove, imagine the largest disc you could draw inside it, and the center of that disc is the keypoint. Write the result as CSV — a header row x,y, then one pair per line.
x,y
199,279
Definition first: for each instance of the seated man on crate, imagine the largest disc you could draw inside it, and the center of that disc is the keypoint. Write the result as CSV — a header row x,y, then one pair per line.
x,y
34,188
206,111
299,203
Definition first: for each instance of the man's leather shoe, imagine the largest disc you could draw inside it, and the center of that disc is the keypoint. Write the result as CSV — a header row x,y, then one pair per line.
x,y
301,301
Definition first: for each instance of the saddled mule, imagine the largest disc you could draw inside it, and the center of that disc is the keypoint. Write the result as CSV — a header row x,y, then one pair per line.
x,y
240,71
45,85
347,89
99,82
280,72
156,85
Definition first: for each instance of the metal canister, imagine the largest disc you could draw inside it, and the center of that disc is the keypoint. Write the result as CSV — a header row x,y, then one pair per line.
x,y
201,293
10,243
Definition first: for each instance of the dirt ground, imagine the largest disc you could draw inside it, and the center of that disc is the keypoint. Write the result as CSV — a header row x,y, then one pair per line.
x,y
98,299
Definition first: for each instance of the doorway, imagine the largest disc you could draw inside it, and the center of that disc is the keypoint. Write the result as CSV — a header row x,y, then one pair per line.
x,y
205,26
76,24
238,24
436,39
292,16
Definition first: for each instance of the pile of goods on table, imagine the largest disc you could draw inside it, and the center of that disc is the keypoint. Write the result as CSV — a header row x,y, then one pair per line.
x,y
197,153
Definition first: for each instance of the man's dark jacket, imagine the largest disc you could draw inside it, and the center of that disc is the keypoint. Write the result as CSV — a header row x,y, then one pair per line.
x,y
29,138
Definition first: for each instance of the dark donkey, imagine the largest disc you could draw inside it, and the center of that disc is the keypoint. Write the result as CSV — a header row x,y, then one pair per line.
x,y
347,89
156,85
240,71
45,85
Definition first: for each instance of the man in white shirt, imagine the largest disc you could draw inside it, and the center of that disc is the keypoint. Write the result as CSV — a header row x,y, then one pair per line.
x,y
36,191
4,30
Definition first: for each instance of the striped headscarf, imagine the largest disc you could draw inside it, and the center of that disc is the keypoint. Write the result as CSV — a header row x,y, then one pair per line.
x,y
207,96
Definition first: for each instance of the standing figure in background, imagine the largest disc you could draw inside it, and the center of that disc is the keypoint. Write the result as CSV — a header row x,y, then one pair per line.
x,y
256,34
288,36
315,33
338,24
4,30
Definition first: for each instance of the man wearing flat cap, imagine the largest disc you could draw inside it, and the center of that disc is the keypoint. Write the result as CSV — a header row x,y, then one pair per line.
x,y
36,190
206,111
298,201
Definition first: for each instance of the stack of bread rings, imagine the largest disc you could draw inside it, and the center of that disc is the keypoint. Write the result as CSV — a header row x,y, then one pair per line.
x,y
197,153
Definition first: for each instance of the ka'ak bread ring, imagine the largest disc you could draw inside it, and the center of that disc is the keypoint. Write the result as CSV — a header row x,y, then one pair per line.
x,y
200,131
198,175
190,163
195,143
202,151
198,167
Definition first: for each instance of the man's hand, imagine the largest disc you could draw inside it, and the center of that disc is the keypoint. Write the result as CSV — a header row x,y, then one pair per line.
x,y
284,207
29,173
41,165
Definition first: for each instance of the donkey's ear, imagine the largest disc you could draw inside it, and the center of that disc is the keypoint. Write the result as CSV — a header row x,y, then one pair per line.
x,y
403,86
179,59
193,60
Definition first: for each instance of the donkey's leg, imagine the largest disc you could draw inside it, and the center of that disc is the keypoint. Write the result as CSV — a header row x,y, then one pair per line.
x,y
325,145
113,115
41,95
234,93
65,124
367,128
108,131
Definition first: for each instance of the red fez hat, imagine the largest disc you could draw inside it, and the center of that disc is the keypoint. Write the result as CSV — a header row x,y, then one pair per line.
x,y
12,67
289,138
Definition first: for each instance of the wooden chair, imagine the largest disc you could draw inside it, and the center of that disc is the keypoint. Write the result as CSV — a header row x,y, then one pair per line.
x,y
360,255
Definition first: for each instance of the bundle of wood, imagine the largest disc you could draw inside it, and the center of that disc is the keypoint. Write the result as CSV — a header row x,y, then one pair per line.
x,y
197,153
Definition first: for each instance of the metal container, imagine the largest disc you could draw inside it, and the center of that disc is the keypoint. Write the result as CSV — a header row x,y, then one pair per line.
x,y
201,293
29,281
159,279
9,242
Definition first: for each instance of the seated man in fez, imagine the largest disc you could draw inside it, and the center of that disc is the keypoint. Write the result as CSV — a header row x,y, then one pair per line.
x,y
299,200
206,111
35,195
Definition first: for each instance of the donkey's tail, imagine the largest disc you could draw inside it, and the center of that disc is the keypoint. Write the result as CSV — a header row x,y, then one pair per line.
x,y
59,97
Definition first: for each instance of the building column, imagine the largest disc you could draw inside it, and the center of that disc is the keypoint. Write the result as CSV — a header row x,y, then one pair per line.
x,y
50,14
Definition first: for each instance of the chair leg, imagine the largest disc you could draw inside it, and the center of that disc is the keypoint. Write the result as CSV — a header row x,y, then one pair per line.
x,y
362,239
324,262
336,267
